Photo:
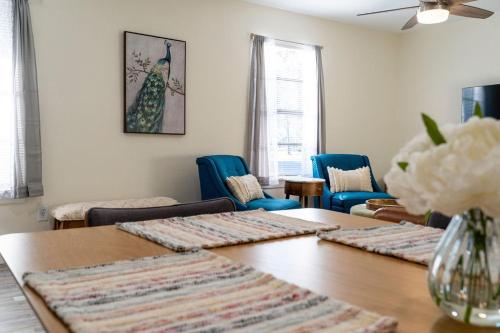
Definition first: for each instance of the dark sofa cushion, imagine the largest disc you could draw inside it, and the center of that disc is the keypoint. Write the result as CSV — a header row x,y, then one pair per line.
x,y
109,216
438,220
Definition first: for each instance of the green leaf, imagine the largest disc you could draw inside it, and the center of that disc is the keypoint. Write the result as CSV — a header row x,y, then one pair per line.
x,y
403,165
433,130
427,216
477,110
468,313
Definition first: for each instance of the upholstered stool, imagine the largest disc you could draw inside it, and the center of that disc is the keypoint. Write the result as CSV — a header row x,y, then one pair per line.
x,y
361,210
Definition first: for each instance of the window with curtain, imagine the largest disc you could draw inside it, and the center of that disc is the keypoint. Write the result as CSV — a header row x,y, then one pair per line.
x,y
20,144
291,90
6,98
286,109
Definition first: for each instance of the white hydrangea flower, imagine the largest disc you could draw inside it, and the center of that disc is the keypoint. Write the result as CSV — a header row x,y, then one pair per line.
x,y
450,178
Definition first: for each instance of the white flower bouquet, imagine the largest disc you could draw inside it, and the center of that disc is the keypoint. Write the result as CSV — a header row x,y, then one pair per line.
x,y
449,170
455,170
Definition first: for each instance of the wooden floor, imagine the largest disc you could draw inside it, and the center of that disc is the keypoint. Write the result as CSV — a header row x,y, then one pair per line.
x,y
15,313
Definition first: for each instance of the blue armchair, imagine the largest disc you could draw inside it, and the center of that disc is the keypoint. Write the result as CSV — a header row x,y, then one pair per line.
x,y
343,201
214,170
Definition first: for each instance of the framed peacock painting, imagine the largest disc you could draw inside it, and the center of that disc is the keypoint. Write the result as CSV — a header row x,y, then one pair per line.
x,y
155,81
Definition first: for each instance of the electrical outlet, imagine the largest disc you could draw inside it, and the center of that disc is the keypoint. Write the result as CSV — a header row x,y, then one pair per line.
x,y
43,213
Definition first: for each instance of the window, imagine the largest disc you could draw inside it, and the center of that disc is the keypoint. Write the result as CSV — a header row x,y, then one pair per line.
x,y
291,89
7,107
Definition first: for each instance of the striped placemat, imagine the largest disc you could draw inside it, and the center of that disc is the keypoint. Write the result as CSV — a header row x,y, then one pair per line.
x,y
192,292
216,230
405,240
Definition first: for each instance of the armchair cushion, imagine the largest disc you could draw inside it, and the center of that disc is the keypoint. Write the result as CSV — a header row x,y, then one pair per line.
x,y
273,204
348,199
343,162
350,180
245,188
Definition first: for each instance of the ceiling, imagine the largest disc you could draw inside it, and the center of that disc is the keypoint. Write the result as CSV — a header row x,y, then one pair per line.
x,y
346,10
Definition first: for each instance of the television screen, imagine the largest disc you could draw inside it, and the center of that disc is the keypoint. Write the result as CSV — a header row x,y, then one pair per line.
x,y
487,96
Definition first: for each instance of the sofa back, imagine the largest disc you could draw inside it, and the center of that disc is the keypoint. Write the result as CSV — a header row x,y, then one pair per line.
x,y
107,216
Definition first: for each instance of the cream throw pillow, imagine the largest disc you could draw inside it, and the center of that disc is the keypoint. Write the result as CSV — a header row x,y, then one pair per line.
x,y
350,180
245,188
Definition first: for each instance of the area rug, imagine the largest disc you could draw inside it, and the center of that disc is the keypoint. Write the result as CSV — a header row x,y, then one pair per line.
x,y
216,230
192,292
405,240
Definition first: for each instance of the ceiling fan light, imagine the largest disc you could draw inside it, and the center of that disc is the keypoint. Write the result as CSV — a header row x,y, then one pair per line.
x,y
432,16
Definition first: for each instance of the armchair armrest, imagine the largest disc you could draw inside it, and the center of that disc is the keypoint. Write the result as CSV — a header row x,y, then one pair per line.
x,y
327,197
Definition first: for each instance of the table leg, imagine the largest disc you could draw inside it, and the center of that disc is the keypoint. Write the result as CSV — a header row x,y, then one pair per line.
x,y
306,201
320,203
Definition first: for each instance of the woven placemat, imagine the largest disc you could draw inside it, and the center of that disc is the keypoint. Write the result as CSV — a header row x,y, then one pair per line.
x,y
192,292
216,230
412,242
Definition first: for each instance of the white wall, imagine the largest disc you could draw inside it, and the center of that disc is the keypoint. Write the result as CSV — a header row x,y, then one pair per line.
x,y
79,56
436,62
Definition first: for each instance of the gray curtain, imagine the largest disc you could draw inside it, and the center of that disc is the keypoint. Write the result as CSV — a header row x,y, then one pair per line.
x,y
257,150
28,154
321,102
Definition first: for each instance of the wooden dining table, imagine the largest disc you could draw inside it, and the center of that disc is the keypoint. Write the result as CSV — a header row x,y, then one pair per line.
x,y
383,284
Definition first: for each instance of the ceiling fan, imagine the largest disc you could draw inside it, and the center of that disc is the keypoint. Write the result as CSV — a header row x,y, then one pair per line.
x,y
437,11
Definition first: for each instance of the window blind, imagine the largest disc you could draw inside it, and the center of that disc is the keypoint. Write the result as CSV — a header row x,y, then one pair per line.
x,y
290,87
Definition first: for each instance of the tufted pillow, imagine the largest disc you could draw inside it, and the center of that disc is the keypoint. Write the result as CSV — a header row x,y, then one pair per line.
x,y
350,180
245,188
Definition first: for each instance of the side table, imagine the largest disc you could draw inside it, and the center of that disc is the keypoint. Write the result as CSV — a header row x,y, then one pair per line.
x,y
304,188
70,224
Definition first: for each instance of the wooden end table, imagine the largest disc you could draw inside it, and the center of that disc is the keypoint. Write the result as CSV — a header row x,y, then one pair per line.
x,y
304,188
68,224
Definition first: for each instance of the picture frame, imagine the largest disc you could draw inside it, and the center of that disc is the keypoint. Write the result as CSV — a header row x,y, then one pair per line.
x,y
154,84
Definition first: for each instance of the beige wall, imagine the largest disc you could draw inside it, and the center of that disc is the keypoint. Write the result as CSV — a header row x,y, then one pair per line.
x,y
436,62
79,54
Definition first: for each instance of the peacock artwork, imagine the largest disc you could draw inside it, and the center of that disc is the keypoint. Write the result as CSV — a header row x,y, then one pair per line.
x,y
155,73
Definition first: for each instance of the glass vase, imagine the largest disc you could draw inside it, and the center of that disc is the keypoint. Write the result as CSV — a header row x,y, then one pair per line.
x,y
464,274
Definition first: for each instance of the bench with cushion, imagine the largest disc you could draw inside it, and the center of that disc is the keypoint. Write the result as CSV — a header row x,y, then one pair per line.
x,y
72,215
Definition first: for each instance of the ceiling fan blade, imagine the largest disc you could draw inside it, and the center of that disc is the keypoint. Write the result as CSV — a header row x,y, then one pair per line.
x,y
411,23
388,10
457,2
469,11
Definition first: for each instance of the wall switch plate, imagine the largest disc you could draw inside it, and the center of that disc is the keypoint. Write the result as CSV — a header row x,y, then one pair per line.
x,y
43,213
